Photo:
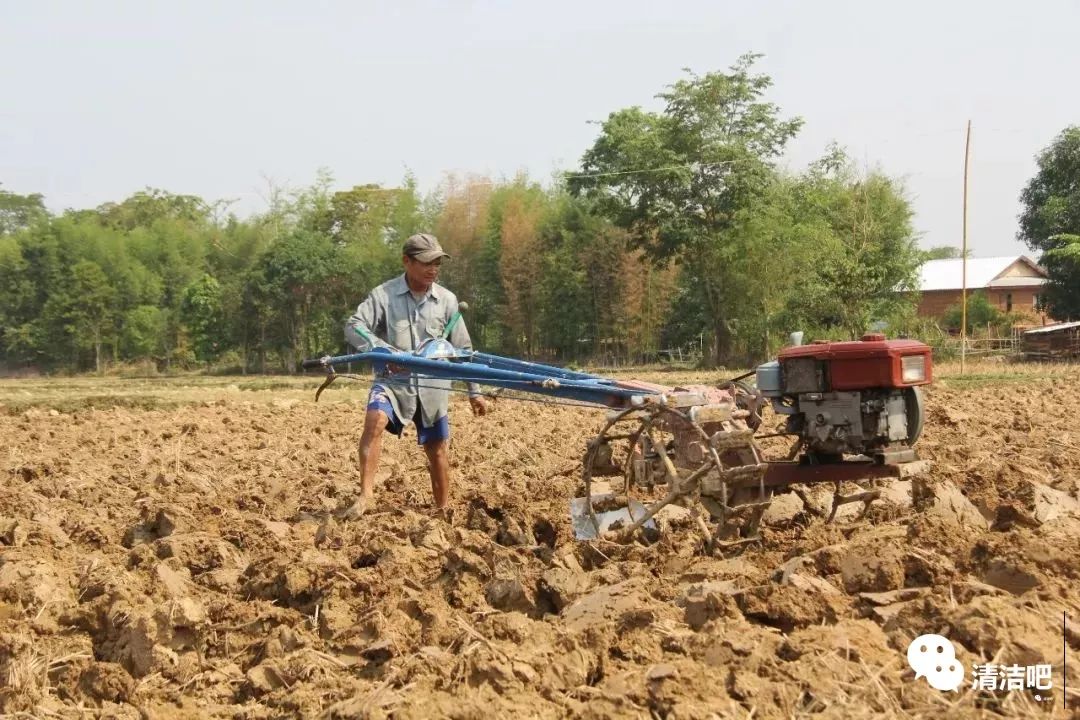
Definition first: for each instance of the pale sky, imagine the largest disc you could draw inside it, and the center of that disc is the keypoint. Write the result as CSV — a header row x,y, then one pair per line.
x,y
104,98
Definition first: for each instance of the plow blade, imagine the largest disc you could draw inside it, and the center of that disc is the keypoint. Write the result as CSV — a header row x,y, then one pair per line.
x,y
586,529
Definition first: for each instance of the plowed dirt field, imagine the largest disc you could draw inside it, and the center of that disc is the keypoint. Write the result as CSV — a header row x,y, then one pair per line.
x,y
168,549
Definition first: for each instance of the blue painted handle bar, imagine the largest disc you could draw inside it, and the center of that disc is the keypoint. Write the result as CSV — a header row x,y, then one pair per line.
x,y
498,371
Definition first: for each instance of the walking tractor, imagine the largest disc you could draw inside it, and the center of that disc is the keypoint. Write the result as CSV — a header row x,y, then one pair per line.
x,y
854,411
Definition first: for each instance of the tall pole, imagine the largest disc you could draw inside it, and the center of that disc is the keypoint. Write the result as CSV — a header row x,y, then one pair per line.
x,y
963,256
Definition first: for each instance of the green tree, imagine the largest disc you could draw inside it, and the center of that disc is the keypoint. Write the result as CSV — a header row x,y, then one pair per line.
x,y
1062,289
775,245
236,250
1050,221
980,313
943,252
371,214
866,248
142,333
31,266
581,260
295,284
20,211
15,289
677,180
200,311
149,206
80,312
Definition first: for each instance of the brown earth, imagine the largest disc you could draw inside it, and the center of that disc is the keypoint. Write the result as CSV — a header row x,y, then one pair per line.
x,y
184,563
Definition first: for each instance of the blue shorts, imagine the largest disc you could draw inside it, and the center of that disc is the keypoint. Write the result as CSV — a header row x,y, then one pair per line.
x,y
378,400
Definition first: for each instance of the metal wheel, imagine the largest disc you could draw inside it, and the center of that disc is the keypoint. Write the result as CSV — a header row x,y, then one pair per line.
x,y
725,482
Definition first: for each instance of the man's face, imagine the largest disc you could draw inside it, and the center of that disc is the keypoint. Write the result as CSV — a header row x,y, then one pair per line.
x,y
423,274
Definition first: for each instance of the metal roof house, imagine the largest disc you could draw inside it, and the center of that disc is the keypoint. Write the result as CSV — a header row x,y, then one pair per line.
x,y
1012,283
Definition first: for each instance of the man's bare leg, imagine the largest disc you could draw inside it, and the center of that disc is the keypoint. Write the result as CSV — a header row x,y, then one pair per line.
x,y
375,422
439,467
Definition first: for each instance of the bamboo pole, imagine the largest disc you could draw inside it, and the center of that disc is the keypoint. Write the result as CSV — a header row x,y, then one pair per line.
x,y
963,255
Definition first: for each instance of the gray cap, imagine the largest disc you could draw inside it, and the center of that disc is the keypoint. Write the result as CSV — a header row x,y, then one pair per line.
x,y
423,247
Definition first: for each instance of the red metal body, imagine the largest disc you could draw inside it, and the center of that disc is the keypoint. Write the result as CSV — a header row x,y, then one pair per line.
x,y
872,362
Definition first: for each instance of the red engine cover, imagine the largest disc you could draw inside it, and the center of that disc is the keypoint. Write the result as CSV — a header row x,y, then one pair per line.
x,y
872,362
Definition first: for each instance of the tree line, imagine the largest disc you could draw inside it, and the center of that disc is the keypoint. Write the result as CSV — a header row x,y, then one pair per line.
x,y
679,230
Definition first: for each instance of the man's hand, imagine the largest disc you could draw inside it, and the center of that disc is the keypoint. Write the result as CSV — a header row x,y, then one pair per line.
x,y
479,407
396,369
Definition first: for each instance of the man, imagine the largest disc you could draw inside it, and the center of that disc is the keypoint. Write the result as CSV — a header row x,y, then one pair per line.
x,y
401,314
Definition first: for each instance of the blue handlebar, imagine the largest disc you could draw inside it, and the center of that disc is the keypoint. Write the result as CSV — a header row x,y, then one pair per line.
x,y
498,371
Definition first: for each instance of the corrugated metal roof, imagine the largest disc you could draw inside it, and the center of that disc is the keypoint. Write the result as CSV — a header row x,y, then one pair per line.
x,y
948,274
1053,328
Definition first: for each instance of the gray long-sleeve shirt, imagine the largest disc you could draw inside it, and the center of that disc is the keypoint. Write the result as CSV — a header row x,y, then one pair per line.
x,y
393,316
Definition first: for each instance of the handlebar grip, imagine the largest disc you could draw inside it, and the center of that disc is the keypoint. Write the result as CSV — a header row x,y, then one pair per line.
x,y
312,363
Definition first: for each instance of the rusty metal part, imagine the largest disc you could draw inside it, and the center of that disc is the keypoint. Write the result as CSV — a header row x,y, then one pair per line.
x,y
705,456
331,376
711,453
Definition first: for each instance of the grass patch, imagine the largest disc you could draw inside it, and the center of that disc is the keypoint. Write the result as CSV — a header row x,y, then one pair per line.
x,y
269,384
67,394
982,373
91,402
976,380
